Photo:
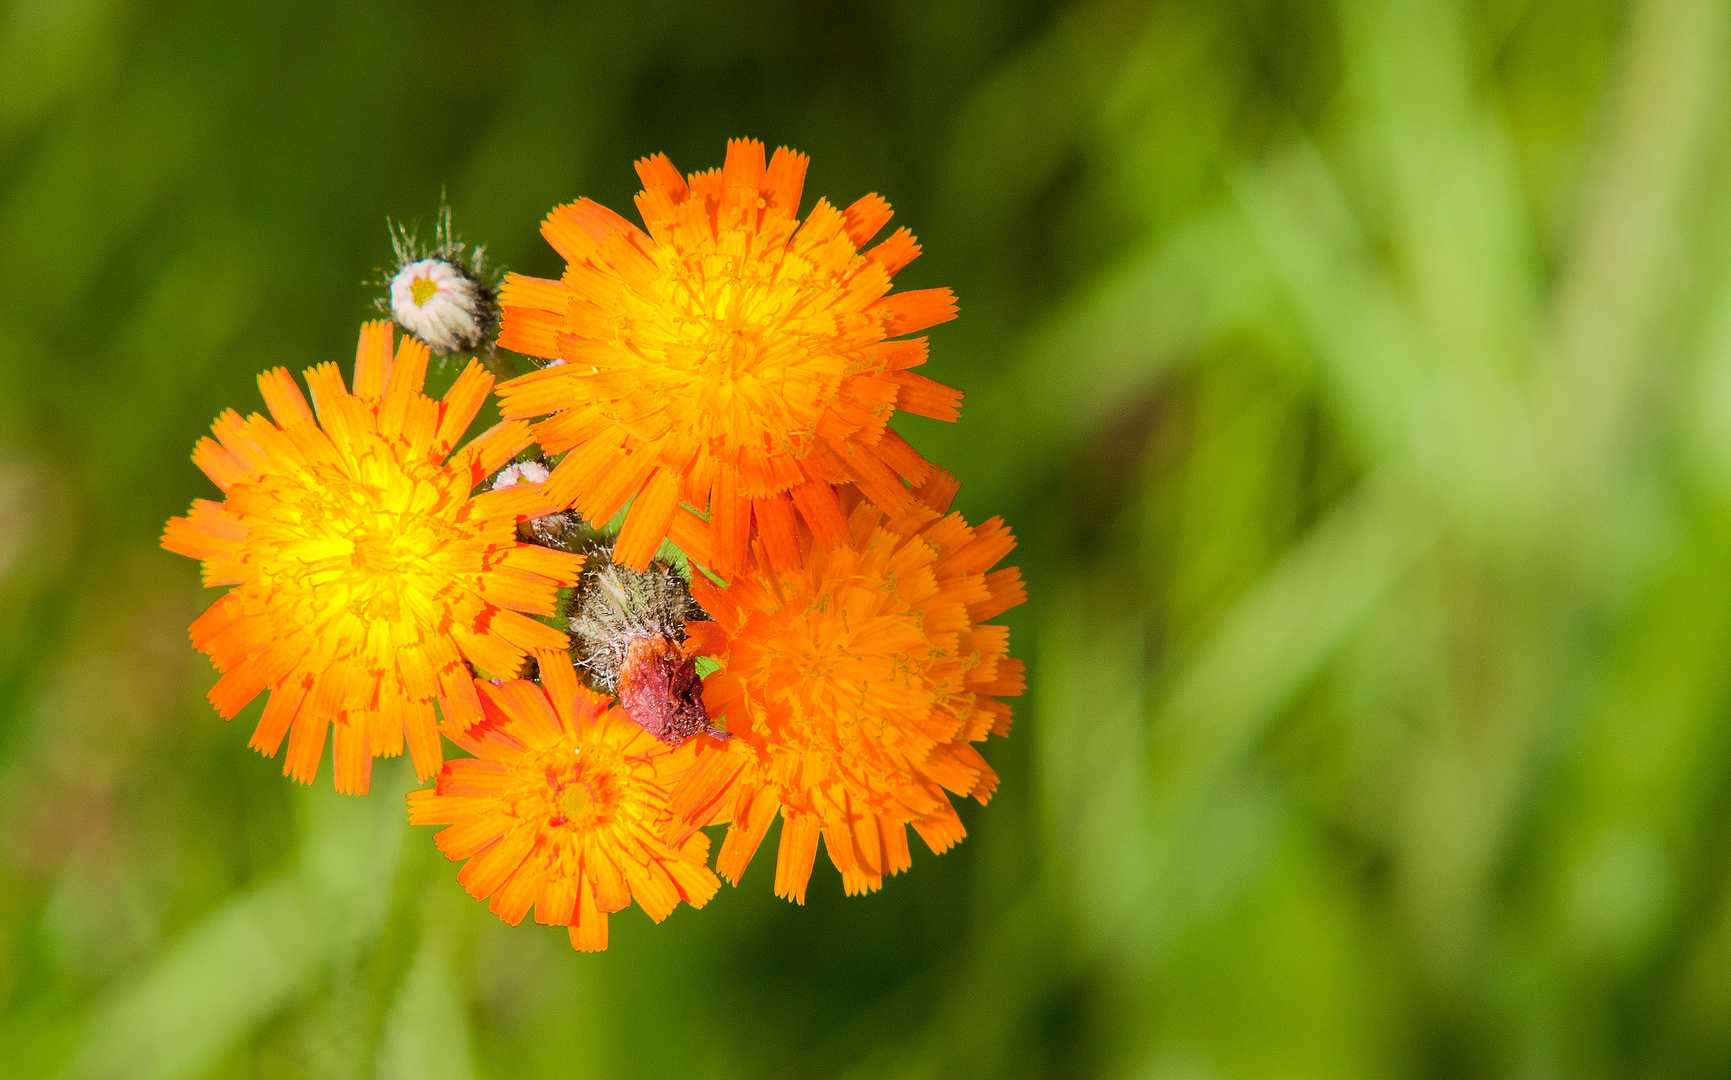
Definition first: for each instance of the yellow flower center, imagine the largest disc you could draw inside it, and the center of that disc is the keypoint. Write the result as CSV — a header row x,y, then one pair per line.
x,y
422,290
587,800
368,548
564,788
743,347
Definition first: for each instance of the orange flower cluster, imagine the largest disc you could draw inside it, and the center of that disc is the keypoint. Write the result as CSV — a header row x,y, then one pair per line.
x,y
723,376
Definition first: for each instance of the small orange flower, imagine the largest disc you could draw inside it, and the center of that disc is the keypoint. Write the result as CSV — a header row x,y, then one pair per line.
x,y
563,807
732,358
854,685
365,574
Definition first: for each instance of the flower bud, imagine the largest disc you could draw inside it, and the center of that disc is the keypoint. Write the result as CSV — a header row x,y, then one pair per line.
x,y
443,294
562,529
521,472
438,303
629,634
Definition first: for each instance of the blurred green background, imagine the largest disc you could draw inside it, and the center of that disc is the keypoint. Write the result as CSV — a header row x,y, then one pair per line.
x,y
1357,374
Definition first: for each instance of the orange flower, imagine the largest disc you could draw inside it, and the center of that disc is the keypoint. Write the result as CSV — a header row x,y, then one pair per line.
x,y
731,358
563,807
854,685
364,573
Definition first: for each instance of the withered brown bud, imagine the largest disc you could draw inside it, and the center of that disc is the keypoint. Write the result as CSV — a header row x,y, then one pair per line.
x,y
659,688
563,530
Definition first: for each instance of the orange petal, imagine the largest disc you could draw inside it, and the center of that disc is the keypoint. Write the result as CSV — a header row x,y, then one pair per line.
x,y
283,398
799,835
373,359
864,218
647,523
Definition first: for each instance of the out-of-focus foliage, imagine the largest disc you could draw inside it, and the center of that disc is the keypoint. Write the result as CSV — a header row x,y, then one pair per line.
x,y
1357,375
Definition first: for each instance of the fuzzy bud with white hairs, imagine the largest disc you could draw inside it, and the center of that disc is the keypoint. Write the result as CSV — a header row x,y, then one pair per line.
x,y
444,294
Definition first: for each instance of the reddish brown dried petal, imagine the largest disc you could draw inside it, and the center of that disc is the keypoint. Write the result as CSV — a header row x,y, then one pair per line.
x,y
659,688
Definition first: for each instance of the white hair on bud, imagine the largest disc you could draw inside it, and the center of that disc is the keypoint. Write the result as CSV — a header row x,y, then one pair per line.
x,y
616,605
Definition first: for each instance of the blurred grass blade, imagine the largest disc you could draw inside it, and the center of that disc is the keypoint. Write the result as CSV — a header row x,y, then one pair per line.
x,y
1461,233
1019,127
1093,759
1272,643
1461,436
1112,343
260,951
1372,354
1615,279
426,1031
50,50
228,975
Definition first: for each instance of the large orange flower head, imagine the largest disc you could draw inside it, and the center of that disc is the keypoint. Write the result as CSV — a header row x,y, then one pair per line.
x,y
563,807
731,358
364,572
854,686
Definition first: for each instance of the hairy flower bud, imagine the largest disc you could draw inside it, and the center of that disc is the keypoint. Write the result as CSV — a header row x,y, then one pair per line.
x,y
629,635
562,529
443,295
438,303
